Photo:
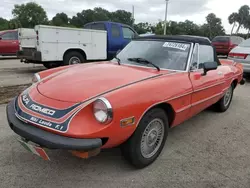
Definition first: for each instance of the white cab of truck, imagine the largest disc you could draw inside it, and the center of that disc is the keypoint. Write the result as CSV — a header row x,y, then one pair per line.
x,y
55,46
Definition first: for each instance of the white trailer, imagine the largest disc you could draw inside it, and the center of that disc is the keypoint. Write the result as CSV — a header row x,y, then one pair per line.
x,y
55,46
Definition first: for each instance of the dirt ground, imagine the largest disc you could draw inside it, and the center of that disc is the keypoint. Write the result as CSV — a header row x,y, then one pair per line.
x,y
15,77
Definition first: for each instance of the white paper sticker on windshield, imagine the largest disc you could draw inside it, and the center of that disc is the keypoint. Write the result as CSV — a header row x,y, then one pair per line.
x,y
175,45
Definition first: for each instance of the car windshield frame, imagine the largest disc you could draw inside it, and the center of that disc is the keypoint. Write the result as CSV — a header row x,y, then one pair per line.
x,y
245,41
187,62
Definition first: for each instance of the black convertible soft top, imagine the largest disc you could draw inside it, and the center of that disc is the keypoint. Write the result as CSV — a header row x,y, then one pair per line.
x,y
184,38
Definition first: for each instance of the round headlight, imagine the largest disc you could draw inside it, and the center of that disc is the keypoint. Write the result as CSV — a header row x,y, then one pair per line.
x,y
36,78
103,110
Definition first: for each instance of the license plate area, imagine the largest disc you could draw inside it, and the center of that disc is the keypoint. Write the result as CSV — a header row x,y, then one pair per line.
x,y
37,150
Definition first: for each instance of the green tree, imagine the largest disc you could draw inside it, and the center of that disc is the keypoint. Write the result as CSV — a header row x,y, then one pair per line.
x,y
159,28
100,14
232,19
188,28
30,14
122,16
243,14
3,24
142,28
213,26
60,19
14,24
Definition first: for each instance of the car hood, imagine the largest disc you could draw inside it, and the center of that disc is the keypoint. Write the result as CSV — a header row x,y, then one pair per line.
x,y
82,82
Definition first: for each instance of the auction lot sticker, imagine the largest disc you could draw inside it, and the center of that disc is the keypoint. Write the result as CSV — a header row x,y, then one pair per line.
x,y
179,46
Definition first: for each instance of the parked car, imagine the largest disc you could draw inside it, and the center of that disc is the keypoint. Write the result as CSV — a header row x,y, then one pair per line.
x,y
56,46
241,54
224,44
9,43
155,83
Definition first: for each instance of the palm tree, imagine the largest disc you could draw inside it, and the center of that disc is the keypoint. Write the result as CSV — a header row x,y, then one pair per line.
x,y
232,19
247,25
243,14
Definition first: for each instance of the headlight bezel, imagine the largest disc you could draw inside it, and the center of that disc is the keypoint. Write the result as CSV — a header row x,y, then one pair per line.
x,y
36,78
109,110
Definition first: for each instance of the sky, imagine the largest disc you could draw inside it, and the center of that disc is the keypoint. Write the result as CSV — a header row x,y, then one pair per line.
x,y
145,10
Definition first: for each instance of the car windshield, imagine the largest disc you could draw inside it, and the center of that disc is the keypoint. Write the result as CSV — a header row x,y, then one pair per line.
x,y
163,54
220,39
245,43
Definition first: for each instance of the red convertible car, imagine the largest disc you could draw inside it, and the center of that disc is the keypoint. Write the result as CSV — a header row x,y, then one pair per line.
x,y
153,84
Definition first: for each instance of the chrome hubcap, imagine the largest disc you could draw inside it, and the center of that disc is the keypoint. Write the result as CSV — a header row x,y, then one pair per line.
x,y
152,138
227,96
74,60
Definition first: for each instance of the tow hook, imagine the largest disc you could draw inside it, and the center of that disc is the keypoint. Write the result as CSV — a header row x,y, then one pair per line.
x,y
243,81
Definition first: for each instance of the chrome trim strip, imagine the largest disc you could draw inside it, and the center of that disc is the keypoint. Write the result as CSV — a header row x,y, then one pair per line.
x,y
206,99
225,89
209,86
190,57
160,103
179,96
184,108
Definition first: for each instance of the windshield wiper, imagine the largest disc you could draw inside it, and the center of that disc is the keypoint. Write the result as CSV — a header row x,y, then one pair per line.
x,y
144,61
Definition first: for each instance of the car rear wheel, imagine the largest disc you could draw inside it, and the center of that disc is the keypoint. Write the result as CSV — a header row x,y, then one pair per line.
x,y
73,57
147,142
223,104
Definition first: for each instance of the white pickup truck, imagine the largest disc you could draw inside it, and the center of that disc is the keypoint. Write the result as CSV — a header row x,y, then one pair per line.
x,y
53,46
56,46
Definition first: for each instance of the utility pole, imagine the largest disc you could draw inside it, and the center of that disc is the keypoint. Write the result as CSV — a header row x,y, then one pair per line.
x,y
133,14
166,14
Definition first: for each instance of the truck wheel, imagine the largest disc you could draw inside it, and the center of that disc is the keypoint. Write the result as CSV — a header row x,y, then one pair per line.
x,y
73,57
147,142
51,65
223,104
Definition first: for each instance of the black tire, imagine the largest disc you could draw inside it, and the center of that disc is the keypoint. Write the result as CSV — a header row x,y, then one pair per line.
x,y
51,65
221,106
131,149
73,54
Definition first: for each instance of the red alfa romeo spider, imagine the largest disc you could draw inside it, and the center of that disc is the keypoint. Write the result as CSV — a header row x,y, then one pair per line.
x,y
153,84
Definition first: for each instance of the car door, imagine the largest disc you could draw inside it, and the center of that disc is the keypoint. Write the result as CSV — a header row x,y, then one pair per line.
x,y
114,40
207,89
128,34
9,43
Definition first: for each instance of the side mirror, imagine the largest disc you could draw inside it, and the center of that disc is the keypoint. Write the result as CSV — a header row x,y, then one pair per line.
x,y
208,66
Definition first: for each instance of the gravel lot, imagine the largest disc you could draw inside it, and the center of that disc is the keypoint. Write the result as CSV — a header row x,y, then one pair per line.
x,y
13,72
210,150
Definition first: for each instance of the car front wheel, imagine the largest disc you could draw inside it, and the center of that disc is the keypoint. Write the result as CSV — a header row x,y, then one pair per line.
x,y
147,142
